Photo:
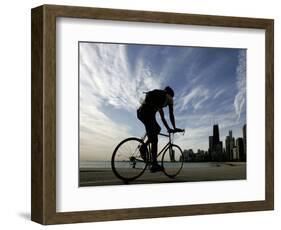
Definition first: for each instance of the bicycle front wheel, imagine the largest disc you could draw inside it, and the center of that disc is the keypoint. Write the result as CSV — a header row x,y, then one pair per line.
x,y
172,161
126,162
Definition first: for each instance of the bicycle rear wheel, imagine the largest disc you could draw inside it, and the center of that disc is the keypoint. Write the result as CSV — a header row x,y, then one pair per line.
x,y
172,161
126,162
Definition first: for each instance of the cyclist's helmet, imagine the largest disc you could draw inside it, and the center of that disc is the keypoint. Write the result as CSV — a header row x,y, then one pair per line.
x,y
170,91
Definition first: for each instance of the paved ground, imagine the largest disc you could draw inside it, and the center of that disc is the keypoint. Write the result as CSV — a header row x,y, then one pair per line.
x,y
208,172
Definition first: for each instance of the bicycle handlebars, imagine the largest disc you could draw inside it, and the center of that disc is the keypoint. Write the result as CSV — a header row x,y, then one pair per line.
x,y
173,131
177,131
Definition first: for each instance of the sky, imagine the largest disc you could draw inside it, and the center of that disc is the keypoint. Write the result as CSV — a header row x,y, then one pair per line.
x,y
209,85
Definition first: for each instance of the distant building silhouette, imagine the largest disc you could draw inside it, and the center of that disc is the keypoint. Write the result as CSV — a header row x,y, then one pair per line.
x,y
187,155
229,145
240,148
245,140
216,150
216,135
235,154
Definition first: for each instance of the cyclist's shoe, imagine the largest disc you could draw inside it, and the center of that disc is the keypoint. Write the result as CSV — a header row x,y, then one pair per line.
x,y
156,168
143,151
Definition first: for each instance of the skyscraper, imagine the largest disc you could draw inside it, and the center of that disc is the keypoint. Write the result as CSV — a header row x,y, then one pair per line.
x,y
227,148
229,145
217,144
240,148
216,135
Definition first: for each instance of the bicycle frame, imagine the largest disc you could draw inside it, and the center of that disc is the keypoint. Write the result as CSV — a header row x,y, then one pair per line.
x,y
165,147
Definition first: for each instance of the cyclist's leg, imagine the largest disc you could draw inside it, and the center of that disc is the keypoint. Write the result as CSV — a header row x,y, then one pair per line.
x,y
147,117
154,147
155,167
153,131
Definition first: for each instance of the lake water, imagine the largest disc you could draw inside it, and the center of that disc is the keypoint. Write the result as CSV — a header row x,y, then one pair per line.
x,y
107,164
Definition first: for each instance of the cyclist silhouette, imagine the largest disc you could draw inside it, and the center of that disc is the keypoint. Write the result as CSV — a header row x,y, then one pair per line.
x,y
155,101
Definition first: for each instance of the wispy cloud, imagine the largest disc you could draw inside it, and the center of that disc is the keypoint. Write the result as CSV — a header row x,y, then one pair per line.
x,y
218,93
240,98
195,98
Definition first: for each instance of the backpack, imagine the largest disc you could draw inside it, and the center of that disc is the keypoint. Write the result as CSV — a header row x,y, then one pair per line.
x,y
156,98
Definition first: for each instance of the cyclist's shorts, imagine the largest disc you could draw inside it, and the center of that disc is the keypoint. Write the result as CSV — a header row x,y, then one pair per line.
x,y
147,117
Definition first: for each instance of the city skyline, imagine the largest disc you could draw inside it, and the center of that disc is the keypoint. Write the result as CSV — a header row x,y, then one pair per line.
x,y
229,150
209,85
221,139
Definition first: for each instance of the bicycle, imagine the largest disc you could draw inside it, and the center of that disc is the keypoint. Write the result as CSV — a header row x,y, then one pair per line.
x,y
127,163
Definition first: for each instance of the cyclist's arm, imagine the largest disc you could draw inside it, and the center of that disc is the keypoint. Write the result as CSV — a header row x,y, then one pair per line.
x,y
172,117
161,112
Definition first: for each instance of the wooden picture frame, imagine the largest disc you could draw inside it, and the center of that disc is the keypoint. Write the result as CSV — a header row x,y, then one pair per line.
x,y
43,202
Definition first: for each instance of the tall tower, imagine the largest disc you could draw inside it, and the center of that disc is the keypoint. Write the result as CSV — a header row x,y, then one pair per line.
x,y
227,146
217,144
216,135
240,148
232,144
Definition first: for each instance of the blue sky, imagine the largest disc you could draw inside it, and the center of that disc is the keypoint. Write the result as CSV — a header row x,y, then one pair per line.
x,y
209,85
